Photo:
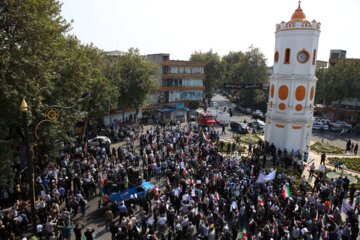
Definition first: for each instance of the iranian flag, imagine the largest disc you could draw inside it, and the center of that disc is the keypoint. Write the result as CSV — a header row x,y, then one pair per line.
x,y
260,200
191,134
286,191
242,235
102,180
216,196
204,136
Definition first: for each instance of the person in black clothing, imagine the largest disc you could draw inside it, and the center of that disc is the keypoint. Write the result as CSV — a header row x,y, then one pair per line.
x,y
77,231
356,148
89,233
323,157
223,130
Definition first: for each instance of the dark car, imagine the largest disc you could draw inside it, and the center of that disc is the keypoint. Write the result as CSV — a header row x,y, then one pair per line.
x,y
239,127
257,114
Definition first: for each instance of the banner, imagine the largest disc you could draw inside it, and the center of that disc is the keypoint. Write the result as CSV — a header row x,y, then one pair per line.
x,y
345,207
266,178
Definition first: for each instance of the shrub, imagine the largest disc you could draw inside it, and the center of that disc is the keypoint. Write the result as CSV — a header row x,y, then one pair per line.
x,y
351,163
326,148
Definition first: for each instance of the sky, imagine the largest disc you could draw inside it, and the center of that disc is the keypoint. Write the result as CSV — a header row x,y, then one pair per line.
x,y
181,27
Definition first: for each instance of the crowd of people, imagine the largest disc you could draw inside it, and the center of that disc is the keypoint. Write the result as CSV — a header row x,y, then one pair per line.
x,y
199,193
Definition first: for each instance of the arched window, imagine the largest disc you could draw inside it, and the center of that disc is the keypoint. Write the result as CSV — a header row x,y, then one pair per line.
x,y
287,56
314,57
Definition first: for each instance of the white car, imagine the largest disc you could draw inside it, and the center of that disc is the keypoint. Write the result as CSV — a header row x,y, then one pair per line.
x,y
99,140
319,126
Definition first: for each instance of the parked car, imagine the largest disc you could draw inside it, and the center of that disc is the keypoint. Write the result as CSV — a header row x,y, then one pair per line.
x,y
98,141
319,126
257,114
258,124
248,110
239,127
339,126
325,122
139,192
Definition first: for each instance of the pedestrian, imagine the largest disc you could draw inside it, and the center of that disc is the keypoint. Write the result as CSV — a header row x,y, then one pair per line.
x,y
356,148
77,230
89,234
348,145
312,170
108,218
323,158
223,129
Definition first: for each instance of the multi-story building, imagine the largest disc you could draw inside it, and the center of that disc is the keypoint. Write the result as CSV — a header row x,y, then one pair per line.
x,y
179,81
336,55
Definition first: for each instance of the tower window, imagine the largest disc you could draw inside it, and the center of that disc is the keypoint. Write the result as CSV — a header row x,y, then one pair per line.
x,y
287,56
276,57
314,57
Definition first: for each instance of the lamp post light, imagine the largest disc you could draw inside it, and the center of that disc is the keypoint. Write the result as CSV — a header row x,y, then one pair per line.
x,y
30,164
49,114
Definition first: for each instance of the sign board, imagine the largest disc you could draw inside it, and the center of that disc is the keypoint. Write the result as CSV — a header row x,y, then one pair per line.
x,y
246,86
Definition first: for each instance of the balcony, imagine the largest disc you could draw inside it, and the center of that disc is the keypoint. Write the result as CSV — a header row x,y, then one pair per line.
x,y
182,75
182,88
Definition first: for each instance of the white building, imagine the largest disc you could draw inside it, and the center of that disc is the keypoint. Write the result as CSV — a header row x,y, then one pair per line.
x,y
292,85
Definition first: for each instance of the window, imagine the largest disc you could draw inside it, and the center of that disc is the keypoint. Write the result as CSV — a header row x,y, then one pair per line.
x,y
287,56
276,57
314,57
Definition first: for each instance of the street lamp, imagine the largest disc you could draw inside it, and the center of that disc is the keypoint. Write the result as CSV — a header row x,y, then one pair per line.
x,y
49,114
30,163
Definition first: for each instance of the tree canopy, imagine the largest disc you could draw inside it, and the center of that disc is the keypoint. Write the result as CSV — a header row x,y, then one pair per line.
x,y
213,70
132,75
338,81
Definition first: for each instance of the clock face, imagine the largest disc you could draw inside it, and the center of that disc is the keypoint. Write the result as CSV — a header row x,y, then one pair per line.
x,y
303,56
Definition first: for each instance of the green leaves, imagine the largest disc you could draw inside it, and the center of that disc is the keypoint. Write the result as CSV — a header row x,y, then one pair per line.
x,y
338,81
213,70
131,73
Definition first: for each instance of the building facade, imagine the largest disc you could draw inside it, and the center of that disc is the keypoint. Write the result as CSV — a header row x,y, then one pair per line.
x,y
179,81
292,85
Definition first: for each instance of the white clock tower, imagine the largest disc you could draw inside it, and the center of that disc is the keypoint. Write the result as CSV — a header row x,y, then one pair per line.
x,y
292,86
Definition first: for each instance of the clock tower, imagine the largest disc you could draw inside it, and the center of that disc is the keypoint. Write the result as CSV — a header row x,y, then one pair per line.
x,y
290,108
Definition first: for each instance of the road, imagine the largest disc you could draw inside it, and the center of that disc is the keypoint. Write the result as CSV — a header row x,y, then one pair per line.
x,y
333,138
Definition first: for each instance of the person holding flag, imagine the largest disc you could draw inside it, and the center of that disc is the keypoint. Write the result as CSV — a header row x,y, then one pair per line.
x,y
286,192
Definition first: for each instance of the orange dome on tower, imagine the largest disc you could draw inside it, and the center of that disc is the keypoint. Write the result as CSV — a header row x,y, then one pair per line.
x,y
298,15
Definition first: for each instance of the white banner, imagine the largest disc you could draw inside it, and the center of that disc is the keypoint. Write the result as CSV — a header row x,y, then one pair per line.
x,y
345,207
266,178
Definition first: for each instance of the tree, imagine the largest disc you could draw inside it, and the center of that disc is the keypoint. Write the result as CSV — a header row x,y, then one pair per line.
x,y
337,82
47,67
132,74
213,70
248,67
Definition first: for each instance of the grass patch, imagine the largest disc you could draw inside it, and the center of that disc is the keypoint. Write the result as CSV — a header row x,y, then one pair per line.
x,y
350,163
326,148
223,146
247,138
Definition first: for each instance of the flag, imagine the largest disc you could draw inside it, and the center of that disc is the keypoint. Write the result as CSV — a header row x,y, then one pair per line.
x,y
260,200
216,196
252,221
204,136
286,191
191,134
325,234
345,207
242,235
86,148
266,178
